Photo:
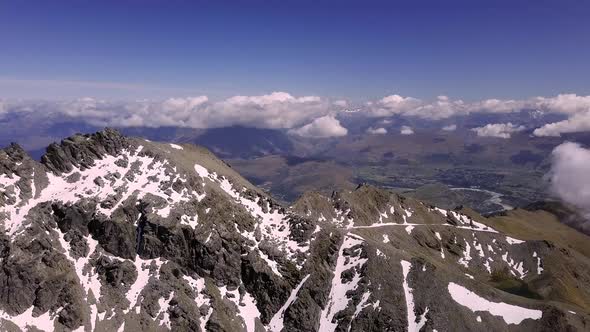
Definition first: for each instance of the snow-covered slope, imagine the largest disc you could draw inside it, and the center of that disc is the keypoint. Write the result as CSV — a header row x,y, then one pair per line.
x,y
110,233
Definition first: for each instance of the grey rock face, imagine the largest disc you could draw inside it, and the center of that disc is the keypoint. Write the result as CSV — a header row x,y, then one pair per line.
x,y
82,150
113,233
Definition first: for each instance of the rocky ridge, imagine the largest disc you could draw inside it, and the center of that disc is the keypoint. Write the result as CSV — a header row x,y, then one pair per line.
x,y
110,233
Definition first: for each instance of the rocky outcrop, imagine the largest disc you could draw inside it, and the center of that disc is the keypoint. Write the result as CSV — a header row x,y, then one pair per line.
x,y
82,150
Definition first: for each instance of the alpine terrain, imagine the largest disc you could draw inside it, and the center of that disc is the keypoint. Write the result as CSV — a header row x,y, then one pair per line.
x,y
113,233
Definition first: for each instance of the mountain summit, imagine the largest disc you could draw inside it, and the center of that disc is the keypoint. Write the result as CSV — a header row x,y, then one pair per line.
x,y
111,233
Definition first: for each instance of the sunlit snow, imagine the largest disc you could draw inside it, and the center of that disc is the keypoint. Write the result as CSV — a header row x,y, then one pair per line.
x,y
510,313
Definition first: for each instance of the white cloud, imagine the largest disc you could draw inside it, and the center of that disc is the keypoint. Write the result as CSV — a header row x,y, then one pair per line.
x,y
569,175
441,108
444,107
577,107
451,127
564,103
499,106
393,104
377,131
275,110
326,126
283,110
405,130
500,130
576,123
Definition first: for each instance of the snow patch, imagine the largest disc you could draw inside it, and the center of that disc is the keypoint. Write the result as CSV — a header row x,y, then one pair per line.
x,y
164,304
539,264
338,300
512,240
246,306
466,255
198,286
515,266
192,222
88,278
414,325
510,313
26,320
276,323
144,269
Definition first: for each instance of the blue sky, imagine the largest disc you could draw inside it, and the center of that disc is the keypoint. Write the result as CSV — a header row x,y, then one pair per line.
x,y
360,50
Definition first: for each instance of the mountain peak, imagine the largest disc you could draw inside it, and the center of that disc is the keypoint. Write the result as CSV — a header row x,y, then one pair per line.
x,y
10,157
81,150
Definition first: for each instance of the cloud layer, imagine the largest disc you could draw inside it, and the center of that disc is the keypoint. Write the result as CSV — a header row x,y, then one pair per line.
x,y
443,107
281,110
577,108
275,110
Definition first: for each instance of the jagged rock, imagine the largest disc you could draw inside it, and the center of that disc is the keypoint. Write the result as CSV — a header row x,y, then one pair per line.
x,y
81,150
116,273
